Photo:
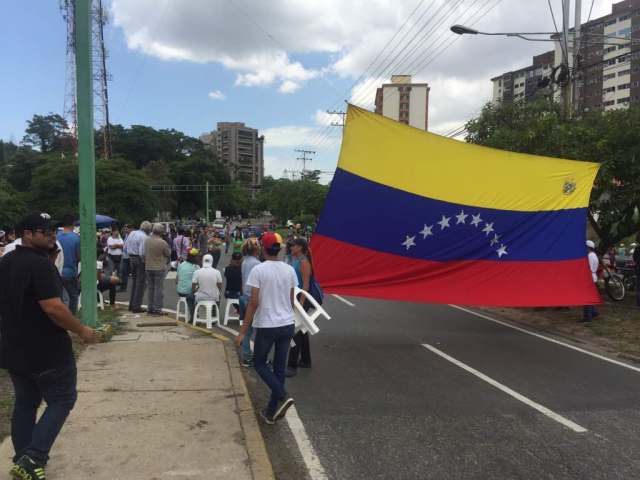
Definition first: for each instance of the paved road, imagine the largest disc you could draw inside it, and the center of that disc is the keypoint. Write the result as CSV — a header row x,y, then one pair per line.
x,y
378,404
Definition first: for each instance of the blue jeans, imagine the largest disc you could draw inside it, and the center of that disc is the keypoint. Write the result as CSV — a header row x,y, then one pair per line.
x,y
266,338
70,285
124,274
590,312
246,341
58,389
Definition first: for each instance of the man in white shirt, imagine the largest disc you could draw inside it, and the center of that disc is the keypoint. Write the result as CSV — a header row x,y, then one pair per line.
x,y
271,313
590,311
115,244
207,281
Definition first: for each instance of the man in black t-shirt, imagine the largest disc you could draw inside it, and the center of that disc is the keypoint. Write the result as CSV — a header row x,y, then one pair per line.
x,y
35,347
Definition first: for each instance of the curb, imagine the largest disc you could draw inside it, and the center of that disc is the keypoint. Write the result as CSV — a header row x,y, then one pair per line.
x,y
259,461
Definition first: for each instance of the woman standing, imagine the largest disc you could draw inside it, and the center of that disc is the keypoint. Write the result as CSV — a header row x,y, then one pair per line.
x,y
300,354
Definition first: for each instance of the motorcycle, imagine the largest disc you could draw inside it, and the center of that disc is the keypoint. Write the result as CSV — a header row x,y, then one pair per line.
x,y
614,282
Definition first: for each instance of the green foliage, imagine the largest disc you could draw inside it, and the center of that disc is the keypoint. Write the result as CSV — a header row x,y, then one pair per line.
x,y
47,133
12,205
288,199
609,138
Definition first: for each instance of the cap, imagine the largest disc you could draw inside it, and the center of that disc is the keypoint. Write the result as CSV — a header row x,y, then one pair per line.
x,y
590,244
193,252
207,260
37,221
271,240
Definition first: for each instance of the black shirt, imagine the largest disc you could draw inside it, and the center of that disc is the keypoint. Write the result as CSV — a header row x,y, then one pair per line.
x,y
233,275
29,340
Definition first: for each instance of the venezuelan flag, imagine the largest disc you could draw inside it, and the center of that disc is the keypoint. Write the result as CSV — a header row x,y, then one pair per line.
x,y
419,217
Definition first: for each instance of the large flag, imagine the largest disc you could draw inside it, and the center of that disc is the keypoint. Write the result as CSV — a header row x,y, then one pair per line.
x,y
419,217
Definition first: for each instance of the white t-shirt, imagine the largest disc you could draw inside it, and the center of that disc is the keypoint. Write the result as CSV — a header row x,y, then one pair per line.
x,y
275,281
207,279
114,241
593,264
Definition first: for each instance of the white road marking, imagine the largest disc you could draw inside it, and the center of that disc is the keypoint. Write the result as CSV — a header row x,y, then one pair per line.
x,y
536,406
343,300
311,460
549,339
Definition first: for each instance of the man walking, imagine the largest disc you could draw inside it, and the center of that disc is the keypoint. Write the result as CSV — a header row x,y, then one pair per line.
x,y
271,313
35,347
70,242
135,249
157,255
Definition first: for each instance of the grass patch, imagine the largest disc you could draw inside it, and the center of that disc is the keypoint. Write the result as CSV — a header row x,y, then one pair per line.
x,y
6,404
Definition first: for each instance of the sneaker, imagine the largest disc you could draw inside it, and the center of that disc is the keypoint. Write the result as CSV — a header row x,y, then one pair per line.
x,y
282,408
268,419
26,469
291,372
247,362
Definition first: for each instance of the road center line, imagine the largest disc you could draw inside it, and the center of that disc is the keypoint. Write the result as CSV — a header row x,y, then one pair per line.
x,y
308,453
343,300
549,339
536,406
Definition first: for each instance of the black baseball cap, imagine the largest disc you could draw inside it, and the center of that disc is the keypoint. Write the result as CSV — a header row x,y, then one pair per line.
x,y
37,221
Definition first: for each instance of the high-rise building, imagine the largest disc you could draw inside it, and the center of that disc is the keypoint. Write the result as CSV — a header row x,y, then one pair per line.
x,y
240,149
404,101
608,70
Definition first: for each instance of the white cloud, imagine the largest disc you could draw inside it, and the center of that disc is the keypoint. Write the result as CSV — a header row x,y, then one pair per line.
x,y
324,119
289,86
216,95
289,136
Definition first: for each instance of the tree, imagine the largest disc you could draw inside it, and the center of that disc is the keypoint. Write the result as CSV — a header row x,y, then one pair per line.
x,y
609,138
289,199
122,191
20,167
12,205
47,133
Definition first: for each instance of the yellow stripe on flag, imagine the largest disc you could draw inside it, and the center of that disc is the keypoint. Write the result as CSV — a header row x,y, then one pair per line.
x,y
390,153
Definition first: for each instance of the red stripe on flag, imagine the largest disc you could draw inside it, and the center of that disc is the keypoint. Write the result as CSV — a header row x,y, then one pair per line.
x,y
346,269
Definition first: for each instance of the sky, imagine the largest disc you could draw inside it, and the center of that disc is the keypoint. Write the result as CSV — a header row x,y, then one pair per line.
x,y
275,65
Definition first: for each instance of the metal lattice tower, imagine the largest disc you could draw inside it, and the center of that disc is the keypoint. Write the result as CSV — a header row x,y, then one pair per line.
x,y
100,74
68,8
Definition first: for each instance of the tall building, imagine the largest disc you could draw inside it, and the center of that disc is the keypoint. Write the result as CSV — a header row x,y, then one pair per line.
x,y
525,83
404,101
608,71
240,149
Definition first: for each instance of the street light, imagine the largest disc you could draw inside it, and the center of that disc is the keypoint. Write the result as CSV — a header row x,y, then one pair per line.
x,y
463,30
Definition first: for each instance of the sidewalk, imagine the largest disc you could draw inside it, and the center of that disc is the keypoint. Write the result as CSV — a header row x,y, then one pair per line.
x,y
158,403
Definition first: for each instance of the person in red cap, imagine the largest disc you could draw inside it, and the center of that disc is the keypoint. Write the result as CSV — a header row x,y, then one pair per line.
x,y
270,312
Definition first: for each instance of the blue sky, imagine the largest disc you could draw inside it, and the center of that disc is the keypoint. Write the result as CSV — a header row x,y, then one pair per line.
x,y
276,64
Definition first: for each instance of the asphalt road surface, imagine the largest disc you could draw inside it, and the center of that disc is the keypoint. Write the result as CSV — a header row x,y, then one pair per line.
x,y
412,391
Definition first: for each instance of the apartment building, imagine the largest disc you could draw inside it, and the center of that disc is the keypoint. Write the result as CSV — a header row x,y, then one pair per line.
x,y
525,83
404,101
608,74
240,149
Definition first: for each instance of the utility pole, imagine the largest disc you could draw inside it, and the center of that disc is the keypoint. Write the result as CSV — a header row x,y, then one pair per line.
x,y
576,52
207,202
342,116
566,88
304,159
86,160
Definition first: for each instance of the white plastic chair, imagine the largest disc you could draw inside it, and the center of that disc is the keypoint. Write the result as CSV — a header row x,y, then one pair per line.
x,y
306,321
100,301
182,301
231,302
211,313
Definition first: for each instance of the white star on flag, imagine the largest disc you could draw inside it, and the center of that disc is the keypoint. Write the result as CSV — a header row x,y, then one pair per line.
x,y
462,217
444,223
476,220
496,239
409,242
501,251
426,231
488,228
